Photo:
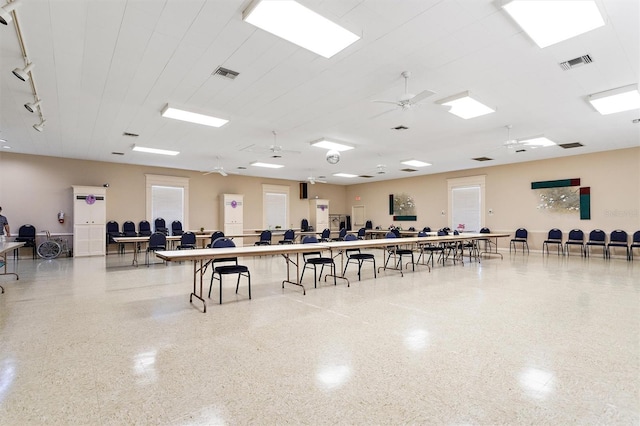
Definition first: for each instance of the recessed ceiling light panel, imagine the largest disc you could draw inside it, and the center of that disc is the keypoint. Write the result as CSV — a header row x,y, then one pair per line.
x,y
464,106
154,150
345,175
192,117
616,100
415,163
266,165
537,141
550,22
331,145
293,22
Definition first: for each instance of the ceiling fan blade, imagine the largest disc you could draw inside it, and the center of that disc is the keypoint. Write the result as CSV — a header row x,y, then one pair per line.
x,y
420,96
388,102
222,172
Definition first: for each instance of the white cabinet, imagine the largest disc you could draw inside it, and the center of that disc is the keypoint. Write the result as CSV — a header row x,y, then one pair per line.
x,y
232,215
319,214
89,220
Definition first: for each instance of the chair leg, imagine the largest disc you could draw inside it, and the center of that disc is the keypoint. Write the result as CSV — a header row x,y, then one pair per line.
x,y
221,289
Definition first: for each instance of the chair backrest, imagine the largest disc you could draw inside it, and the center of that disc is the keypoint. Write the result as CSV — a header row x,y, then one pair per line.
x,y
214,236
223,242
309,239
362,232
326,232
157,240
442,232
342,233
144,228
350,237
422,234
160,225
27,231
521,233
554,234
485,231
188,238
396,231
265,235
113,228
412,228
597,235
636,237
426,229
391,234
576,235
289,234
368,225
304,225
129,229
176,227
618,236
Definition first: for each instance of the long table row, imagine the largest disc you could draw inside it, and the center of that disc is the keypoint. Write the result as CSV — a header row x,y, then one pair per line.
x,y
291,253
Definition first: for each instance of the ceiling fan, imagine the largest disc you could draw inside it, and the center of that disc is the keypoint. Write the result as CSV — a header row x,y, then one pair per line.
x,y
274,150
408,100
319,179
514,146
217,169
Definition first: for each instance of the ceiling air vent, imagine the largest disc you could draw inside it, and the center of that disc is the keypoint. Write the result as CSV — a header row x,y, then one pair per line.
x,y
132,135
117,153
400,127
570,145
482,159
576,62
226,73
636,120
408,170
365,176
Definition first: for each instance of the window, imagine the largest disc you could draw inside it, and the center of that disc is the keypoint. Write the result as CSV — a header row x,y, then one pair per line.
x,y
466,199
167,197
275,201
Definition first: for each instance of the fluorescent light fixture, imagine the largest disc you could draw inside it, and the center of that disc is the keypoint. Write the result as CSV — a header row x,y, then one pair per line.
x,y
549,22
6,147
293,22
192,117
537,141
415,163
344,175
331,145
154,150
616,100
464,106
267,165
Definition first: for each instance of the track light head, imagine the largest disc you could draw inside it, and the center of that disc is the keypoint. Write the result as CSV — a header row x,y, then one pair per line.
x,y
5,12
40,126
23,73
31,106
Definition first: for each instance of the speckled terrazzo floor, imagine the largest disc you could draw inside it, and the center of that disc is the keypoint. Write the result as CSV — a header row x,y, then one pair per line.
x,y
524,340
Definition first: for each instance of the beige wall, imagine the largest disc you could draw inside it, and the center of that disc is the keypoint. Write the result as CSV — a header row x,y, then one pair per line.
x,y
34,188
614,178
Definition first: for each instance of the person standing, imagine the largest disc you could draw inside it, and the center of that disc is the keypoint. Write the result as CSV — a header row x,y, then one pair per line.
x,y
4,227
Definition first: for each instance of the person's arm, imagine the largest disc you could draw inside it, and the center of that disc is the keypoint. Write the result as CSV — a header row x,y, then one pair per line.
x,y
6,230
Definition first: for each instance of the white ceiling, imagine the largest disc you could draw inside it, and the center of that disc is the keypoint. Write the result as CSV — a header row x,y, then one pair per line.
x,y
105,67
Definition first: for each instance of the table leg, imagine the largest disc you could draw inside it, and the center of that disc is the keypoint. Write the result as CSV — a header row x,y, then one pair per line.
x,y
297,263
198,271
